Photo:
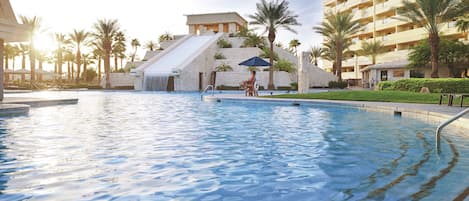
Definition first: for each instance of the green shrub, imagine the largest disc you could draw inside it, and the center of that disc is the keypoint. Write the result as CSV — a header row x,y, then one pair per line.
x,y
224,44
385,85
284,88
219,56
294,85
224,68
338,85
223,87
284,65
438,85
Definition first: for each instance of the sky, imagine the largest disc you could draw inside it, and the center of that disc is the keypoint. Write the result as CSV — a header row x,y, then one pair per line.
x,y
147,19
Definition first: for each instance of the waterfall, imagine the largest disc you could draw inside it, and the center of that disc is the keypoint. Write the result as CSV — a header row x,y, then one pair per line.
x,y
155,82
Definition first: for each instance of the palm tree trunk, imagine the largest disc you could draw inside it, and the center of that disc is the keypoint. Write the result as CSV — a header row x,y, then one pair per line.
x,y
68,71
84,71
32,60
78,65
73,73
338,61
2,46
99,70
23,66
40,70
271,37
6,68
107,68
434,45
59,66
116,67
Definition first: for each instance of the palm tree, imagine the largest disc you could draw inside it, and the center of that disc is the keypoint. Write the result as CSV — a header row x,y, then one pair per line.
x,y
24,50
8,53
254,40
316,53
463,23
79,37
165,37
294,45
60,40
69,57
41,58
135,44
98,54
372,49
105,32
87,59
150,45
34,24
273,16
338,28
430,14
118,48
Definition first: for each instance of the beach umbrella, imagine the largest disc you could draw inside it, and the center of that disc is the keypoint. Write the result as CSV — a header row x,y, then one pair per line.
x,y
255,61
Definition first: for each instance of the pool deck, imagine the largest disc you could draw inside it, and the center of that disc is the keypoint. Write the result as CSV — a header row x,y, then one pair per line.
x,y
428,112
21,105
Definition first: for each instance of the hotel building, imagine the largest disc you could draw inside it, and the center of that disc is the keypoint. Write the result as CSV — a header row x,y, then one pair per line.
x,y
376,17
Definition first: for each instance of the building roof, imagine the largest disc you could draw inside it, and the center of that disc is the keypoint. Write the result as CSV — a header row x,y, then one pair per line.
x,y
10,30
213,18
388,65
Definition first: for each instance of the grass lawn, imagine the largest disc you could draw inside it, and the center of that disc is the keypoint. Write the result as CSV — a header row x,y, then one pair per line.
x,y
380,96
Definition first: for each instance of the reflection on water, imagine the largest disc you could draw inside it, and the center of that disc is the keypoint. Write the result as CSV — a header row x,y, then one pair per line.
x,y
160,146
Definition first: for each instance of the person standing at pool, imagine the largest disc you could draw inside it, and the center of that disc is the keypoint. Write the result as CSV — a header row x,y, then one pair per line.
x,y
250,83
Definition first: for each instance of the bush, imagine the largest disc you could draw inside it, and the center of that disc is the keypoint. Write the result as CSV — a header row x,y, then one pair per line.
x,y
294,85
284,65
385,85
284,88
224,68
446,85
338,85
219,56
224,44
90,74
223,87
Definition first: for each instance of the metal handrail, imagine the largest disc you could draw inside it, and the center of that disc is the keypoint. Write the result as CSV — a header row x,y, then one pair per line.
x,y
446,123
206,89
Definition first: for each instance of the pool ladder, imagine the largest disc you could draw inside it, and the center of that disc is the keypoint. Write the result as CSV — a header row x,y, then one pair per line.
x,y
446,123
206,89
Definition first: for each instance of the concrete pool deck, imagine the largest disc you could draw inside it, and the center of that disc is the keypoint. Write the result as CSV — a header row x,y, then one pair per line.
x,y
431,113
21,105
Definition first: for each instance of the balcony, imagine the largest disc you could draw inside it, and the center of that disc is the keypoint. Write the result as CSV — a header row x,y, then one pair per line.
x,y
368,12
393,56
388,5
387,23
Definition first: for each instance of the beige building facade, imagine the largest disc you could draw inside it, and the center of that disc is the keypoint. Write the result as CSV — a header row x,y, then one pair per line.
x,y
228,22
378,20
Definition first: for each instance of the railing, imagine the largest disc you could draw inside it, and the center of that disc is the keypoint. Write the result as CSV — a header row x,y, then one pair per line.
x,y
446,123
205,90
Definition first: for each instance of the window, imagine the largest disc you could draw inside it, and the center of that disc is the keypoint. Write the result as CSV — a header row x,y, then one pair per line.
x,y
384,75
398,73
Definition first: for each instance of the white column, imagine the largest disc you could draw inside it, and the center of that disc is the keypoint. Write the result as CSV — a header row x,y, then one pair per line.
x,y
192,29
232,28
220,28
303,73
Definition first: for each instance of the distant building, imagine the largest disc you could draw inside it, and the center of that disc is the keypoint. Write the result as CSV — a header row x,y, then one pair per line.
x,y
229,22
376,17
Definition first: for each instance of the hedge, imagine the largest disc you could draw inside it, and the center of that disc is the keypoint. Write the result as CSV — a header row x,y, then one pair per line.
x,y
435,85
338,85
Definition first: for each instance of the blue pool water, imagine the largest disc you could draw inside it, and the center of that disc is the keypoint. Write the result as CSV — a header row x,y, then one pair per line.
x,y
159,146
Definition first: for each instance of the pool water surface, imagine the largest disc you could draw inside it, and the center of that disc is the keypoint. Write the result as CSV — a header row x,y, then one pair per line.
x,y
172,146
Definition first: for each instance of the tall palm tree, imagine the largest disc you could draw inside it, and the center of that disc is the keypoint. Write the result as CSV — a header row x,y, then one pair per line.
x,y
135,44
24,50
69,58
87,60
372,49
430,14
105,30
78,37
150,45
118,48
338,28
60,40
34,23
41,58
273,16
294,45
8,53
316,53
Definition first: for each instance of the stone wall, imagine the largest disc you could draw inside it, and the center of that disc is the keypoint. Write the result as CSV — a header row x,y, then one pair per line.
x,y
281,79
119,80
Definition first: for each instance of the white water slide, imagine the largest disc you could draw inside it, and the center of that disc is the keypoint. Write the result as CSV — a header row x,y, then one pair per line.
x,y
158,69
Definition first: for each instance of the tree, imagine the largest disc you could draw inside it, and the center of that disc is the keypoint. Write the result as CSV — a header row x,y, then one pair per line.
x,y
165,37
24,50
78,37
430,14
463,23
135,44
118,48
34,24
98,54
273,16
315,54
284,65
8,53
337,29
150,45
41,58
69,58
60,40
105,30
254,40
293,45
224,68
372,49
87,60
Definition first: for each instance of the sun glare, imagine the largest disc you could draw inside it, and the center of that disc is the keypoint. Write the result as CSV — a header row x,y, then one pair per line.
x,y
44,42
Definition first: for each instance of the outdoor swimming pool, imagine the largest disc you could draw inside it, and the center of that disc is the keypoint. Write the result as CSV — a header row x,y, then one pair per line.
x,y
159,146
